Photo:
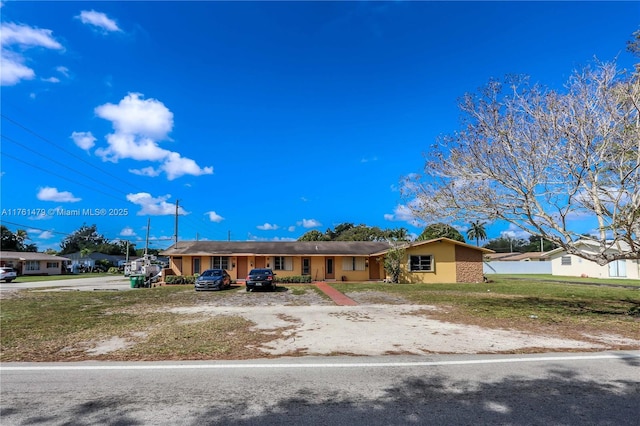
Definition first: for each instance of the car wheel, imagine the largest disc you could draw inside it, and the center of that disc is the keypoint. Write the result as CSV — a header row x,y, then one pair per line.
x,y
248,289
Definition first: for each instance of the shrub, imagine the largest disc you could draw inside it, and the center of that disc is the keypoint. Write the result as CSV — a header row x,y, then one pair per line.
x,y
113,270
294,279
180,279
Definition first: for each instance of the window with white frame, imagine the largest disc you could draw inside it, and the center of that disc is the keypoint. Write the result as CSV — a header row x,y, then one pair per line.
x,y
566,260
32,265
219,262
52,265
283,263
353,263
421,262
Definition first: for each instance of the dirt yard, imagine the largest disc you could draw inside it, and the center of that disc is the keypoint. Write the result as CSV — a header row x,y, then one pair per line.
x,y
312,325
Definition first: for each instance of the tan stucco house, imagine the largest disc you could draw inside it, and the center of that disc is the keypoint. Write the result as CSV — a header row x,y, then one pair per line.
x,y
29,263
439,260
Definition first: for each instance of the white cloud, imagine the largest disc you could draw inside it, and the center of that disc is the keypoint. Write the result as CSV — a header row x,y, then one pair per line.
x,y
267,227
63,70
403,213
45,235
145,171
175,166
84,140
98,19
139,124
148,118
514,232
309,223
154,206
51,80
27,36
13,69
291,228
369,159
127,232
52,194
214,217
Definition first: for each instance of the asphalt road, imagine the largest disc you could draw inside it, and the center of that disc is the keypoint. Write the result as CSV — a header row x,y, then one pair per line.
x,y
550,389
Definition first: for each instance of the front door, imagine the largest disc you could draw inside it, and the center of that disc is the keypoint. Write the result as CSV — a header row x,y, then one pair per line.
x,y
374,269
331,274
242,268
260,262
306,266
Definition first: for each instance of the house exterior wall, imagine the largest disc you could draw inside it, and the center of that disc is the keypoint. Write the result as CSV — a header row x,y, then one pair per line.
x,y
444,258
317,270
580,267
468,265
42,268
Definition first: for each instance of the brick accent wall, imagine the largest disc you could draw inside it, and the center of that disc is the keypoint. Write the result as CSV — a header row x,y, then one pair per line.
x,y
468,265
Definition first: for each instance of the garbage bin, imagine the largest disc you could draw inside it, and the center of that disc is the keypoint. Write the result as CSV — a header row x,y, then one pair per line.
x,y
136,281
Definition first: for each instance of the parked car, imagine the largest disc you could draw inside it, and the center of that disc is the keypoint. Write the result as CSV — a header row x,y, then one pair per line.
x,y
261,278
7,274
213,279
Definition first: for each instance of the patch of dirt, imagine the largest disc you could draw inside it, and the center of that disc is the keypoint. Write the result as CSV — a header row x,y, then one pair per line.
x,y
300,324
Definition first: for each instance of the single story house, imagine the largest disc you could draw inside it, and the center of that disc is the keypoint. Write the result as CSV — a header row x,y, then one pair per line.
x,y
88,261
30,263
563,263
438,260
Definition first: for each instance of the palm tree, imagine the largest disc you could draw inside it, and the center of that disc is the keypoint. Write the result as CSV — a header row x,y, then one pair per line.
x,y
477,232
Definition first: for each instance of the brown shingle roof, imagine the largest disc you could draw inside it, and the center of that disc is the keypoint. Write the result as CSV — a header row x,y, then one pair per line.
x,y
27,255
275,248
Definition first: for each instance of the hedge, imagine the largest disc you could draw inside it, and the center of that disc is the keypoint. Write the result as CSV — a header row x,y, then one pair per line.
x,y
294,279
180,279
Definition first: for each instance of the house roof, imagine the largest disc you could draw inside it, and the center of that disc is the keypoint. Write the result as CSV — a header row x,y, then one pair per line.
x,y
97,256
438,240
27,255
516,256
277,248
593,246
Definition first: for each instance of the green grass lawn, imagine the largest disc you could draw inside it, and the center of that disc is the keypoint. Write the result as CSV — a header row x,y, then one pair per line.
x,y
555,278
54,326
39,278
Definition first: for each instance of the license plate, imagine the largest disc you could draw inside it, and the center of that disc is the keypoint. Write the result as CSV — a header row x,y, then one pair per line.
x,y
258,284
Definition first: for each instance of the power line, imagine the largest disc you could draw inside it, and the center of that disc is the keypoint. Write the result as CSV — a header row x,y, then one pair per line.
x,y
59,163
57,175
32,132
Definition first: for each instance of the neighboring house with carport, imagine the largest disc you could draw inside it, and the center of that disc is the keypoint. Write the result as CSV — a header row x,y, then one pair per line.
x,y
439,260
29,263
565,264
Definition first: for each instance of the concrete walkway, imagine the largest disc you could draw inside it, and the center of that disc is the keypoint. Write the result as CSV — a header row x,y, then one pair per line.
x,y
338,298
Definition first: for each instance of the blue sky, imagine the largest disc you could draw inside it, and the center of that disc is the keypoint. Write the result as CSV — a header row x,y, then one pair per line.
x,y
265,120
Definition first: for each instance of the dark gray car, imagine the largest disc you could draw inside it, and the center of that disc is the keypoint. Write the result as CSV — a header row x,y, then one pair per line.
x,y
261,278
213,279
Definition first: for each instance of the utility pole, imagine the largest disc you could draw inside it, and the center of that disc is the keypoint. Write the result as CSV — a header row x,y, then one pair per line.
x,y
228,235
176,235
146,246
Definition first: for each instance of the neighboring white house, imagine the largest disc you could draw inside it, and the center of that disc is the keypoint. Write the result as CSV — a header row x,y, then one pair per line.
x,y
566,264
30,263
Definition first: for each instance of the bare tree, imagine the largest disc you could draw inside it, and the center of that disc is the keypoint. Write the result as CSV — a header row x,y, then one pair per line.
x,y
543,160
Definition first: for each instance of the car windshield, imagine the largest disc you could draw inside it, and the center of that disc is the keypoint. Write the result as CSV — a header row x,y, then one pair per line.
x,y
212,273
260,271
